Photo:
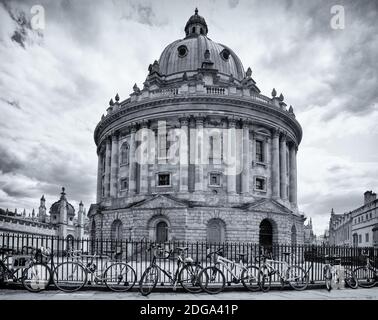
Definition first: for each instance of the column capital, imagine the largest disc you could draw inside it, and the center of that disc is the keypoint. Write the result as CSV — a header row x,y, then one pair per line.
x,y
184,121
231,122
133,127
283,135
144,124
199,120
245,124
275,133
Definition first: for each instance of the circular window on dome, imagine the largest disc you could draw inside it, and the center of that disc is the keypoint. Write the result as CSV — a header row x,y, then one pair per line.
x,y
182,51
225,54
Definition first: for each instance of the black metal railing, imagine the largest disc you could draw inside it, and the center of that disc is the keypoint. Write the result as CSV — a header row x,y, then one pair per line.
x,y
311,257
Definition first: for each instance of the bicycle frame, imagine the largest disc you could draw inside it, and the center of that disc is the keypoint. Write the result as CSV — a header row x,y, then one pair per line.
x,y
272,270
226,262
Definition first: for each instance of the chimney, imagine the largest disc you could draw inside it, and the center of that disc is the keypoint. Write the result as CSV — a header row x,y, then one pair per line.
x,y
369,196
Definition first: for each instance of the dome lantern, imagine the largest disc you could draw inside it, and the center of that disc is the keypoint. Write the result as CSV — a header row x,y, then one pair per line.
x,y
196,25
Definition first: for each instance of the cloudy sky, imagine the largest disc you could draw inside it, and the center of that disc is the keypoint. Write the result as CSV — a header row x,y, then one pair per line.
x,y
55,84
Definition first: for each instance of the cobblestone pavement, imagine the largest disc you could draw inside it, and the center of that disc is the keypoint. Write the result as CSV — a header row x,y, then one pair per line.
x,y
313,294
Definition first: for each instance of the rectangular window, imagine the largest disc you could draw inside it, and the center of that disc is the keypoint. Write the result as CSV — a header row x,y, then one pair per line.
x,y
215,179
371,215
164,179
359,238
125,184
366,237
260,184
259,151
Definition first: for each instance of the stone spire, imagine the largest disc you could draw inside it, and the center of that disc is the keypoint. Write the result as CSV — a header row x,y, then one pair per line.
x,y
42,210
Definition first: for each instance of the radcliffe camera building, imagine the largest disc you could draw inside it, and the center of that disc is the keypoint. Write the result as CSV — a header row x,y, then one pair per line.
x,y
199,101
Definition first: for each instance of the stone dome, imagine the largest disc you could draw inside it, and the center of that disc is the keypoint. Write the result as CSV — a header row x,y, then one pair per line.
x,y
173,62
55,207
188,54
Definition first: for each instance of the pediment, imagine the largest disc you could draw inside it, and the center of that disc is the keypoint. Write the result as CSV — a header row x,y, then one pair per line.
x,y
267,205
161,201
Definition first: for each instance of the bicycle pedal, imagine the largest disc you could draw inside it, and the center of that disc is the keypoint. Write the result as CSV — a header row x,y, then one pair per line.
x,y
229,283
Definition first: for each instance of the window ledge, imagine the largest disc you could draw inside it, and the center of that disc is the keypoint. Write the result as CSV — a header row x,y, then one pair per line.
x,y
257,163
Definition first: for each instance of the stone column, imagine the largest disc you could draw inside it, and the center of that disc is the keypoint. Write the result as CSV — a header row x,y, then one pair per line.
x,y
184,154
132,165
114,167
99,173
107,167
293,173
231,156
246,158
143,183
275,164
283,168
198,184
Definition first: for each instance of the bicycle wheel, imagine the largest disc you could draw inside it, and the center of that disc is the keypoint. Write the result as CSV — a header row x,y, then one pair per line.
x,y
188,278
36,277
367,277
212,280
250,278
119,277
70,276
297,278
351,279
149,280
265,278
328,278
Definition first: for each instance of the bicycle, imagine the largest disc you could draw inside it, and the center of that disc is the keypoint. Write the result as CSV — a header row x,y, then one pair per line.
x,y
71,276
212,279
186,273
292,274
331,272
35,274
367,275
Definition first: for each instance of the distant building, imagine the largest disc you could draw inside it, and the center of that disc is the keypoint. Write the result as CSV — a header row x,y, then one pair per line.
x,y
358,227
309,236
60,221
323,239
365,221
340,229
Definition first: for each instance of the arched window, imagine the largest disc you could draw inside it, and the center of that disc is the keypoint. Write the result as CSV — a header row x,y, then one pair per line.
x,y
125,153
116,230
162,232
93,236
293,235
215,231
194,30
70,242
266,234
201,31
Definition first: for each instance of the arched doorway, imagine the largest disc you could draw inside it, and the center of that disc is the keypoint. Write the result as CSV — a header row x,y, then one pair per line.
x,y
355,239
293,235
266,235
215,231
161,231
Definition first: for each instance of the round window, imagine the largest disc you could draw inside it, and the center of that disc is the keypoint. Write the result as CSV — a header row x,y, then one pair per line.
x,y
182,51
225,54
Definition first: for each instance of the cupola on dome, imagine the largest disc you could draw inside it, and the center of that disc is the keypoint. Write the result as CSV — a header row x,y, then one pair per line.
x,y
188,54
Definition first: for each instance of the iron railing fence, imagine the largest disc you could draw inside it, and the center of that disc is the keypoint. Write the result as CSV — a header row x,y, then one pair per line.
x,y
311,257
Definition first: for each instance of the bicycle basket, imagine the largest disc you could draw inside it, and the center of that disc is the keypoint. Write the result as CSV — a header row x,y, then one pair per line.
x,y
43,255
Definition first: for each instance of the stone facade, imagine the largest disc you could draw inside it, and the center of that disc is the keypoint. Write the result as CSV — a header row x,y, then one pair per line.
x,y
357,227
60,222
199,93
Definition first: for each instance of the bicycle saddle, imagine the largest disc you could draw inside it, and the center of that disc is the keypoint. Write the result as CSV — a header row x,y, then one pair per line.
x,y
286,253
241,255
182,248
